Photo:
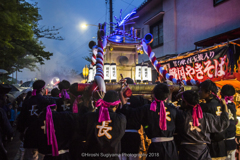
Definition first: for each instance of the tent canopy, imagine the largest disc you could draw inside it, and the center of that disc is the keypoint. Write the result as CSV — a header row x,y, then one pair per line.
x,y
234,82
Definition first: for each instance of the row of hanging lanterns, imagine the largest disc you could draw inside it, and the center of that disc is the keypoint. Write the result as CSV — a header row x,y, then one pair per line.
x,y
143,73
110,72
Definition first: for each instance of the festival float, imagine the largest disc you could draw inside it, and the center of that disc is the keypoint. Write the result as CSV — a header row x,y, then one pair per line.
x,y
117,54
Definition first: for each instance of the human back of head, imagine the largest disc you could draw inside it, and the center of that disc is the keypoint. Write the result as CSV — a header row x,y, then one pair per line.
x,y
111,96
38,86
227,90
161,91
191,101
129,80
64,84
190,98
55,92
208,89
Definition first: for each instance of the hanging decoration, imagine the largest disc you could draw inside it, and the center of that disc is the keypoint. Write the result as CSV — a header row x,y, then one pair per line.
x,y
99,77
126,19
148,50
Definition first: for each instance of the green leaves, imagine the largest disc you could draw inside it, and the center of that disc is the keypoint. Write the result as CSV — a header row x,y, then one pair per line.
x,y
19,36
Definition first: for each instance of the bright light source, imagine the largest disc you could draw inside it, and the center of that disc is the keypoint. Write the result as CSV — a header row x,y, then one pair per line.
x,y
84,26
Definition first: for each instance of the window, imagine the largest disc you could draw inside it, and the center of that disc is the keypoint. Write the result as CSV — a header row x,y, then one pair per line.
x,y
216,2
138,32
157,32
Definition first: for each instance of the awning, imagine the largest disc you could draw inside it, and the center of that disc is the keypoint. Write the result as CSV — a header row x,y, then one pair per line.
x,y
224,37
235,83
155,18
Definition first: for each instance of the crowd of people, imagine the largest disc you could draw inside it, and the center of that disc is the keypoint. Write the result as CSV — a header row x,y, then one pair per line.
x,y
71,125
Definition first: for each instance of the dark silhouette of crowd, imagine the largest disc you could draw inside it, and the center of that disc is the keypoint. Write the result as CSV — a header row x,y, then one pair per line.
x,y
71,125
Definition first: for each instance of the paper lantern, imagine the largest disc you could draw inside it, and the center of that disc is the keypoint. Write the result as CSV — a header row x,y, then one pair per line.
x,y
138,74
144,73
113,71
149,73
90,76
106,72
94,71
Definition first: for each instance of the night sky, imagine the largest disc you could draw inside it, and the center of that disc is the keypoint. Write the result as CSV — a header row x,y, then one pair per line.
x,y
70,14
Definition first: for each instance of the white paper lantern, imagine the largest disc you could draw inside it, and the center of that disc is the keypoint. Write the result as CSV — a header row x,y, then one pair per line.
x,y
144,73
90,75
113,72
106,72
94,71
138,74
149,73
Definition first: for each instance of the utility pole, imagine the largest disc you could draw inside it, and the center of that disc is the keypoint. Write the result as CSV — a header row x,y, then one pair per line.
x,y
111,16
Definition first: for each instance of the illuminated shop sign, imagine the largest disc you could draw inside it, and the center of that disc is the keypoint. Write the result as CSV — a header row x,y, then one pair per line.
x,y
214,64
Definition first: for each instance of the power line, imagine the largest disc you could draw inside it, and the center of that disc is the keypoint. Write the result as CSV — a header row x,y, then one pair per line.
x,y
129,3
128,6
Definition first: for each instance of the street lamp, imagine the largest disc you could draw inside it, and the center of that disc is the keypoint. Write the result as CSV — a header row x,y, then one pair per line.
x,y
85,71
84,25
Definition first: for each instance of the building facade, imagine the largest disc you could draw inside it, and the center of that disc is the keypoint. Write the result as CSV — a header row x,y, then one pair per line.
x,y
177,24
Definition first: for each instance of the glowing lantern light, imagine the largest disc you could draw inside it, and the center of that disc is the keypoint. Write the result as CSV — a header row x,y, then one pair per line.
x,y
94,71
149,73
90,77
85,71
138,74
107,72
113,72
144,73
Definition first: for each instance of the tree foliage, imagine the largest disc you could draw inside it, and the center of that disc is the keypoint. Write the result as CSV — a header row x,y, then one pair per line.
x,y
19,36
89,57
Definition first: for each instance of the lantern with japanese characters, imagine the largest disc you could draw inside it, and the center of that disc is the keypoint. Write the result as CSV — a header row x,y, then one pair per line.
x,y
149,73
138,75
144,73
113,70
106,72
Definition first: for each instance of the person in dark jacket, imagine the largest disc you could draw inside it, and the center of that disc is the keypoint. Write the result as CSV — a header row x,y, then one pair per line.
x,y
103,129
63,104
54,132
208,91
5,126
194,127
131,141
5,129
32,108
158,120
227,93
